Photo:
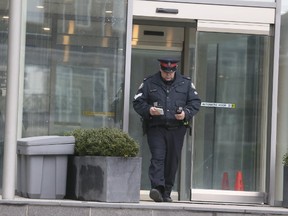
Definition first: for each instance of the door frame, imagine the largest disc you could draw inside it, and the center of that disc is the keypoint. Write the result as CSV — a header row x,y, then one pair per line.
x,y
139,17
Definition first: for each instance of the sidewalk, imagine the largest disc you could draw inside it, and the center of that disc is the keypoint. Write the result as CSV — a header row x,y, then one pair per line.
x,y
34,207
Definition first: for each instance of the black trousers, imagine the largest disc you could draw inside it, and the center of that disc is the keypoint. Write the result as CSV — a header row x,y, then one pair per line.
x,y
165,146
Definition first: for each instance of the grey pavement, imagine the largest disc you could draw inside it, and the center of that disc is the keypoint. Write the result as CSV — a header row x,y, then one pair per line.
x,y
34,207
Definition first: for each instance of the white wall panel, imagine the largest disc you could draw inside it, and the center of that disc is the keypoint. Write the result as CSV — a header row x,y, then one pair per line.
x,y
147,10
233,27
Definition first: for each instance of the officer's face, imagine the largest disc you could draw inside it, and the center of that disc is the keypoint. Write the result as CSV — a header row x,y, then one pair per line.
x,y
168,76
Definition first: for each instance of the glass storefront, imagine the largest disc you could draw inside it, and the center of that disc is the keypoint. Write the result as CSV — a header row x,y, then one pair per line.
x,y
74,65
73,76
232,79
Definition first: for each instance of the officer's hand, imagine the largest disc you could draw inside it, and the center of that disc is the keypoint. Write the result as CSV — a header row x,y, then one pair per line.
x,y
180,116
155,111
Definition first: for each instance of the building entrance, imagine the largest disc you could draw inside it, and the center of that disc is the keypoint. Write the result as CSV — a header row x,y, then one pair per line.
x,y
224,157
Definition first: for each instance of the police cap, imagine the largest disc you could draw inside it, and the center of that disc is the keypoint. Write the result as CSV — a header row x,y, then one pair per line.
x,y
168,64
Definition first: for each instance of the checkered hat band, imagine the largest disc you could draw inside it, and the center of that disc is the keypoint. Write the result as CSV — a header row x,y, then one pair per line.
x,y
168,68
169,65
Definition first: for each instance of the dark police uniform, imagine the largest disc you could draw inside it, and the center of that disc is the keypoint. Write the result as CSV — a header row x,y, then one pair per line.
x,y
165,134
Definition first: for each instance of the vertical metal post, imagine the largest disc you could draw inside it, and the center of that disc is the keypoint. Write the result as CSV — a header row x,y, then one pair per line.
x,y
274,106
128,65
14,38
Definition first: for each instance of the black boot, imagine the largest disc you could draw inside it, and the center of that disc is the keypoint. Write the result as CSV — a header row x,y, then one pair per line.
x,y
167,199
167,196
156,194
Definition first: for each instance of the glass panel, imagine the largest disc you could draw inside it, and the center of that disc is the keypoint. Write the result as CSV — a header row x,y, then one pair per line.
x,y
186,157
232,80
74,65
4,22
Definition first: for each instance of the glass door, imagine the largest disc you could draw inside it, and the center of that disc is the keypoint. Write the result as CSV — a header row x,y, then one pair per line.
x,y
230,130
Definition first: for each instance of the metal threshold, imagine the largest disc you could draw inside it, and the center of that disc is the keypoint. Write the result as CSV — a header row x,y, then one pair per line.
x,y
227,196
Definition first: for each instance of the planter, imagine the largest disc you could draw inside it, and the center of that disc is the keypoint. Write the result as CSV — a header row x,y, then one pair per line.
x,y
285,187
105,179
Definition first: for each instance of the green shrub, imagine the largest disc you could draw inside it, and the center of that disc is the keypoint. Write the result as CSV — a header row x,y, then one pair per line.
x,y
285,159
104,142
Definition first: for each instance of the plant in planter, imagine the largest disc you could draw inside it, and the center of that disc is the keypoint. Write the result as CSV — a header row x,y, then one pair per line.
x,y
285,180
105,166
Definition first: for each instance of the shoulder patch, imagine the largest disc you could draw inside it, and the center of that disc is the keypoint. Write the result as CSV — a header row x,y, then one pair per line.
x,y
189,78
147,77
141,86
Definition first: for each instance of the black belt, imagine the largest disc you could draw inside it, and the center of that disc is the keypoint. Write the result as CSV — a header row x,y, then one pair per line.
x,y
172,127
168,127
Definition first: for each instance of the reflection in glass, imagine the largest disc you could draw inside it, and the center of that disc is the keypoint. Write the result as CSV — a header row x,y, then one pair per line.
x,y
74,65
232,69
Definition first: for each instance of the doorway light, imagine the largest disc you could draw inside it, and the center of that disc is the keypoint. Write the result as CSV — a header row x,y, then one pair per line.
x,y
135,35
66,40
46,29
5,17
108,12
40,6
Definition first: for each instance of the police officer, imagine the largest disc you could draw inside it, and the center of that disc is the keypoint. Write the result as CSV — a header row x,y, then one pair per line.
x,y
166,101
